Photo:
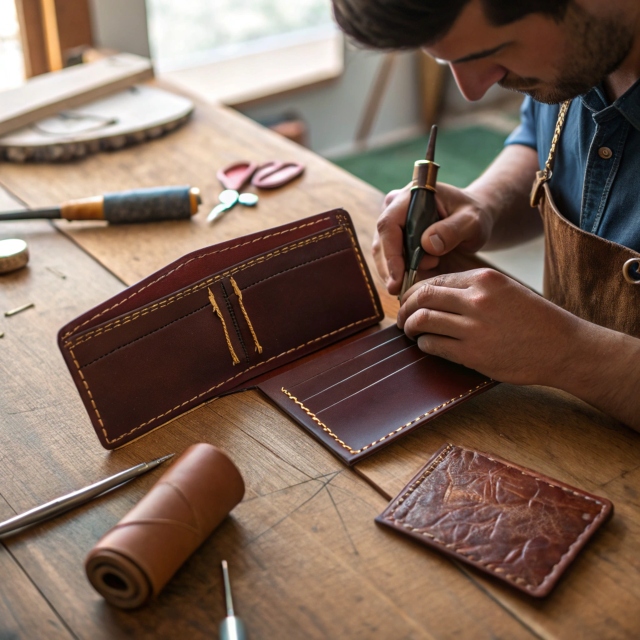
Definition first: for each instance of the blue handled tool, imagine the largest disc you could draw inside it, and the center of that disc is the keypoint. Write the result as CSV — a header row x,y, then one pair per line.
x,y
138,205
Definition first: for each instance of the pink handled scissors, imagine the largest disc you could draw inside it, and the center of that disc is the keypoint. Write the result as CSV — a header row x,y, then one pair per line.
x,y
234,177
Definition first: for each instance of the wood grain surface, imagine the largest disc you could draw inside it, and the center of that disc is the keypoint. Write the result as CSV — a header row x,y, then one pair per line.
x,y
306,559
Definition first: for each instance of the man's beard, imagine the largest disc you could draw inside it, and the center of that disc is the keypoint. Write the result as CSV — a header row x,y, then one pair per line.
x,y
596,47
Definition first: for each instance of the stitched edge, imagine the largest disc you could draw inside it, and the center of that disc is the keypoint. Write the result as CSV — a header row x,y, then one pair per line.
x,y
184,264
356,250
187,292
204,393
379,440
217,312
238,292
489,566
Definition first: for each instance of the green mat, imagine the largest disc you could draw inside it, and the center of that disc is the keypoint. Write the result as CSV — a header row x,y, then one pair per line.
x,y
462,154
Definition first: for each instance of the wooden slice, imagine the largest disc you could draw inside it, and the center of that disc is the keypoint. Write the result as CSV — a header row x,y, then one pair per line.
x,y
132,116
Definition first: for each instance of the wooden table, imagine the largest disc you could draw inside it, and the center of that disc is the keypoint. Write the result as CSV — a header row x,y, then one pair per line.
x,y
306,558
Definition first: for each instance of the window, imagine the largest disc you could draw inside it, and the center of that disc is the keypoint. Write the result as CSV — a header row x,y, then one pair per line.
x,y
11,62
187,32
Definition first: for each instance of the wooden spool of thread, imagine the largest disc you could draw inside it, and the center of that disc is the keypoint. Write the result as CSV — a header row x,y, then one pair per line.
x,y
136,559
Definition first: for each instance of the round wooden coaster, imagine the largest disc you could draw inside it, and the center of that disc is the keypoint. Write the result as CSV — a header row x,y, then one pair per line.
x,y
132,116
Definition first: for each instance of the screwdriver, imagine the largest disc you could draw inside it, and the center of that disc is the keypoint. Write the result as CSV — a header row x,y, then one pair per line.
x,y
231,628
138,205
422,212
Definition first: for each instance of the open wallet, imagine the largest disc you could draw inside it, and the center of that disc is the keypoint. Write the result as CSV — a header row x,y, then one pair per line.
x,y
276,310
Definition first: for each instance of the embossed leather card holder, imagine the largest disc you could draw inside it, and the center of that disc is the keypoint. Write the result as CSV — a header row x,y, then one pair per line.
x,y
510,522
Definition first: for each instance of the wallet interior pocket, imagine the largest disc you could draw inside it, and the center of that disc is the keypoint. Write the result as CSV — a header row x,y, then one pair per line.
x,y
141,368
373,391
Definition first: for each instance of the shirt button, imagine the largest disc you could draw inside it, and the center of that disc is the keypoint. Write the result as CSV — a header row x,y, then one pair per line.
x,y
605,152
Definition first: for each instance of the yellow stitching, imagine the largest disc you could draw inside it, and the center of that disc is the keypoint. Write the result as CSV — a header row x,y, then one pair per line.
x,y
398,430
180,266
86,386
184,264
167,301
236,288
519,580
343,221
217,311
204,393
322,425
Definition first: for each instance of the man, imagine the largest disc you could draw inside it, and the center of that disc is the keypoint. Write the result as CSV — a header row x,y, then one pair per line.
x,y
585,54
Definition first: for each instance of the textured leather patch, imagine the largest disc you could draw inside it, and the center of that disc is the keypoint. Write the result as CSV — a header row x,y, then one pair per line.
x,y
511,522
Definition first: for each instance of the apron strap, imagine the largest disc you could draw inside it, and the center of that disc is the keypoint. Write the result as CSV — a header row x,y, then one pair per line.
x,y
545,174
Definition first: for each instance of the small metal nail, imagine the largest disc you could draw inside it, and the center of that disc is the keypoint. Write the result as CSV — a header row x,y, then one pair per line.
x,y
24,307
57,273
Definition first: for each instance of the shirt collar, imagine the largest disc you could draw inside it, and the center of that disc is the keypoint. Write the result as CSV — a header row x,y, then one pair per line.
x,y
628,104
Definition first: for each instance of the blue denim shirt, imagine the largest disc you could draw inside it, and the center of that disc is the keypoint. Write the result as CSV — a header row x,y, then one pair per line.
x,y
596,176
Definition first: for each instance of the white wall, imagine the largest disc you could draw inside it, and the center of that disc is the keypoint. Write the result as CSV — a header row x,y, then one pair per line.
x,y
334,111
120,25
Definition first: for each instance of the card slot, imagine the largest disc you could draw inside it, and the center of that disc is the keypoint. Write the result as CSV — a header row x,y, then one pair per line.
x,y
351,364
364,389
200,264
364,379
337,357
281,264
398,402
351,378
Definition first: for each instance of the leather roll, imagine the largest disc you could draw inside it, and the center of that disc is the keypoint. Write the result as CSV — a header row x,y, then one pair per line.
x,y
135,560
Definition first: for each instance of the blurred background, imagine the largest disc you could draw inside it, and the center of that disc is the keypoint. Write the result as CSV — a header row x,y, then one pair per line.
x,y
285,65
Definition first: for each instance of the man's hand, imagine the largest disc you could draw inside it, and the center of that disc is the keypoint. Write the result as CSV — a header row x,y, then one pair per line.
x,y
463,224
491,213
489,322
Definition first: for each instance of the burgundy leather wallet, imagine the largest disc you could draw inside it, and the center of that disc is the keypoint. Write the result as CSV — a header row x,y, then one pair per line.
x,y
244,313
513,523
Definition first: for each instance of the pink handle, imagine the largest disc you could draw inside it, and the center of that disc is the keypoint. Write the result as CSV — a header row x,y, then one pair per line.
x,y
276,174
235,176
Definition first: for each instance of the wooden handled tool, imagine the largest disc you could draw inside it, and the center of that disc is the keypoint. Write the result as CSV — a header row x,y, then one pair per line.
x,y
137,205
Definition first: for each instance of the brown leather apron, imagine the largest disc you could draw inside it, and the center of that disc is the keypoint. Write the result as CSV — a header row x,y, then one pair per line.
x,y
589,276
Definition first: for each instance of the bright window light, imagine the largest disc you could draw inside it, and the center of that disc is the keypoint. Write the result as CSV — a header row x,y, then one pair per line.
x,y
11,61
183,31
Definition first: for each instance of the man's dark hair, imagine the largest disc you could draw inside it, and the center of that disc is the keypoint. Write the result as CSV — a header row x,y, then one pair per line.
x,y
410,24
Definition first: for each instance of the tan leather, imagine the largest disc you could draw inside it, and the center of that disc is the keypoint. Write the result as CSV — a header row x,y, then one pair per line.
x,y
136,559
513,523
583,273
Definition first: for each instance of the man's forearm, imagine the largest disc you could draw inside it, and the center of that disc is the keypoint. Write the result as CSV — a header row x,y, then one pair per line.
x,y
503,190
602,367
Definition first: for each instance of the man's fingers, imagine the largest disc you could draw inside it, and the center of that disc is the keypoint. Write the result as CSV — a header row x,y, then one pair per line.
x,y
456,280
441,346
387,250
432,295
447,234
430,321
390,197
389,238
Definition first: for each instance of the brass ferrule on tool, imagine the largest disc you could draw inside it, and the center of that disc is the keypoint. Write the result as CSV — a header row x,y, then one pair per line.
x,y
425,174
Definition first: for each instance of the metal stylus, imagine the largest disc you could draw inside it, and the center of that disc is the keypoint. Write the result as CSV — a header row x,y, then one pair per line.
x,y
231,628
75,499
